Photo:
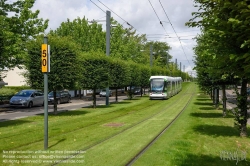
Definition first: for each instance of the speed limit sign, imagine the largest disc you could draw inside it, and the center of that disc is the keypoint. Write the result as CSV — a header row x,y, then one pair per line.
x,y
45,58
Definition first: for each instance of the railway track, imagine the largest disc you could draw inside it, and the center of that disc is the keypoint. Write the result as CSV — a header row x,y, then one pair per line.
x,y
78,129
144,149
134,158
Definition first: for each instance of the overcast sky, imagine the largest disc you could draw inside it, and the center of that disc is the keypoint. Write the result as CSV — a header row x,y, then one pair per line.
x,y
138,13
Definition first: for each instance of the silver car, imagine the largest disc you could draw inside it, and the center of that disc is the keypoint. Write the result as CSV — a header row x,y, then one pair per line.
x,y
103,93
27,98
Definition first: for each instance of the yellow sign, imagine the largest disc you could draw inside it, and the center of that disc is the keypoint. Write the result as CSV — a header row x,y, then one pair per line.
x,y
45,58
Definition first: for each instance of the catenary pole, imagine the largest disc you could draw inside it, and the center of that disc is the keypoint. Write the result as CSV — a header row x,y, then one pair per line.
x,y
151,55
108,14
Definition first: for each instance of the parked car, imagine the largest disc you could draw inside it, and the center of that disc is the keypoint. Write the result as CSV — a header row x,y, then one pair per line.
x,y
103,93
137,91
27,98
248,91
62,97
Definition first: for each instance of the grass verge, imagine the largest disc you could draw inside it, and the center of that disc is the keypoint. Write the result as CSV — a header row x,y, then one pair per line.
x,y
201,136
73,130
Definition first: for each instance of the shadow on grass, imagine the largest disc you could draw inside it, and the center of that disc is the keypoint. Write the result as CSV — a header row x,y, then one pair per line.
x,y
206,160
210,115
67,113
203,103
121,102
6,122
213,130
72,113
204,99
143,96
134,98
61,140
207,108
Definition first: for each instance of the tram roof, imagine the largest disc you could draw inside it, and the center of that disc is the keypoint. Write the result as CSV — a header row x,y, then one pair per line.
x,y
166,78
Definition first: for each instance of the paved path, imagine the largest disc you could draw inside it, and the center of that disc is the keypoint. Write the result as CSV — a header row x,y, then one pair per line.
x,y
232,102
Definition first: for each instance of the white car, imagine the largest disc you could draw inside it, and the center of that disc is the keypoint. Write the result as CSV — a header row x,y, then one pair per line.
x,y
103,93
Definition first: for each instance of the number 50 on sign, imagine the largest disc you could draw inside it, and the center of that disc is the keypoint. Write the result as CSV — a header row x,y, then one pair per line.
x,y
45,58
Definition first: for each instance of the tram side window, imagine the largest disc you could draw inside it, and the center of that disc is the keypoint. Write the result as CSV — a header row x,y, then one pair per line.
x,y
173,86
165,86
169,86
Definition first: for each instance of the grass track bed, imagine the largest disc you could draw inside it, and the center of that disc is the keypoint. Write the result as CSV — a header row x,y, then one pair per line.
x,y
199,137
80,129
133,140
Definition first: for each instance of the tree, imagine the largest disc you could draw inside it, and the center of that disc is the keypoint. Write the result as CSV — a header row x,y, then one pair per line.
x,y
226,20
18,24
210,59
64,66
126,45
145,75
95,68
161,54
119,74
135,77
89,35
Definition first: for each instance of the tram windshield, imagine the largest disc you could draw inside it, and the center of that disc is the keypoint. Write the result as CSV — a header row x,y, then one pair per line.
x,y
157,85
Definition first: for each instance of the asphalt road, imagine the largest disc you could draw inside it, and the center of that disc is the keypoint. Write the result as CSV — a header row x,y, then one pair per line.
x,y
231,101
10,113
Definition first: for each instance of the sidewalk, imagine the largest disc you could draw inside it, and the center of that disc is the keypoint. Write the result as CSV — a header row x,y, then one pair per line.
x,y
232,102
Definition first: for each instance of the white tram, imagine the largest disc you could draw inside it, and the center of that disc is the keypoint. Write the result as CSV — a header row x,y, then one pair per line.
x,y
163,87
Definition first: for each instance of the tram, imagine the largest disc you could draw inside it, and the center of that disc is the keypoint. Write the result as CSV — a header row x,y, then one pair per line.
x,y
164,87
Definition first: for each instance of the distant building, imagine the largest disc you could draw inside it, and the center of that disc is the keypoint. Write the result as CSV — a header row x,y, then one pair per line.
x,y
15,77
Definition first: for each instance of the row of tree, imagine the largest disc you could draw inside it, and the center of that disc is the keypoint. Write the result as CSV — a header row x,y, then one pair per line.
x,y
73,69
223,50
78,51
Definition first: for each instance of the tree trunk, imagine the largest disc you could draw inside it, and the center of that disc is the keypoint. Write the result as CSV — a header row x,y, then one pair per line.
x,y
55,102
116,98
211,93
130,92
94,98
217,97
224,100
75,92
80,94
141,91
213,96
242,105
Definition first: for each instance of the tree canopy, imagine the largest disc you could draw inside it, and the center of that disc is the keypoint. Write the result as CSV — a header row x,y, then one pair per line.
x,y
18,24
222,53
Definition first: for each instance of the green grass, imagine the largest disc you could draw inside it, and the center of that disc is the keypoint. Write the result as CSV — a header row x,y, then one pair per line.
x,y
121,148
200,134
75,130
199,137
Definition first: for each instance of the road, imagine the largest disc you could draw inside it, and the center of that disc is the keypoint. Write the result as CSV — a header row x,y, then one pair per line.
x,y
18,113
231,101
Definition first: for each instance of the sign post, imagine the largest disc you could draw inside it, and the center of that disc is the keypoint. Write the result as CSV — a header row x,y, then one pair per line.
x,y
45,70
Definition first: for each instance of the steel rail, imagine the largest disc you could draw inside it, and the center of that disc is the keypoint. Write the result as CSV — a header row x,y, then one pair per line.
x,y
120,132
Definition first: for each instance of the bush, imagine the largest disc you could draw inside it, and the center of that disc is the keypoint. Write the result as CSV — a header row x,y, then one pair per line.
x,y
6,94
16,88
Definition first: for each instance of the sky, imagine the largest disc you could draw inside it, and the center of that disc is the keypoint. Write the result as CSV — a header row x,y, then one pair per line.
x,y
143,15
